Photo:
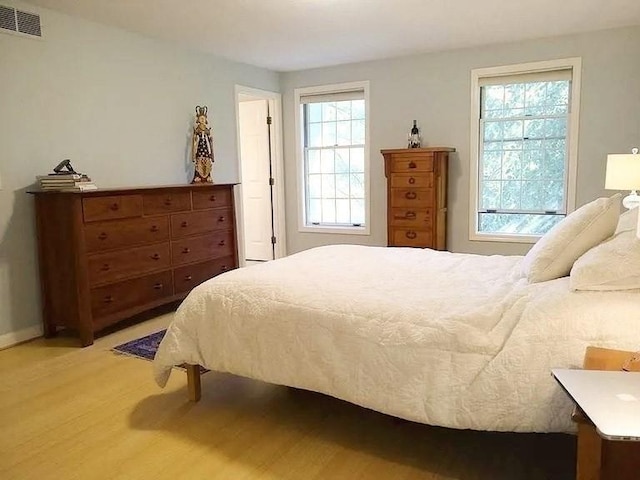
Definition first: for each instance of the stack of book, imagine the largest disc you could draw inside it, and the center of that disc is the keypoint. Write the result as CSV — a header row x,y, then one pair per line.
x,y
67,182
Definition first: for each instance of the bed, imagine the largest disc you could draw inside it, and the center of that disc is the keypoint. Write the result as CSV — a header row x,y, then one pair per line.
x,y
456,340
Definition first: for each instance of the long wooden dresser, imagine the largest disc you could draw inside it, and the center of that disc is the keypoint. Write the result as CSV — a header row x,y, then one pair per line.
x,y
107,255
417,196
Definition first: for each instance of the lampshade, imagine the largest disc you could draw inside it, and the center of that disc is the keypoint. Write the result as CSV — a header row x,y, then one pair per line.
x,y
623,171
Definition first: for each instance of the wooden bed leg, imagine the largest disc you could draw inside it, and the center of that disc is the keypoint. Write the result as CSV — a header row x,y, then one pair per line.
x,y
193,382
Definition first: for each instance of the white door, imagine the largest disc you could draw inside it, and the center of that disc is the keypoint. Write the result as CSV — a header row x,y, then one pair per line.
x,y
256,191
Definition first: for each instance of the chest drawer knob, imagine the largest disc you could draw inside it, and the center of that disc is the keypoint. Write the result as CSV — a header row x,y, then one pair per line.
x,y
184,224
108,299
411,234
167,201
221,218
103,236
155,256
186,250
410,215
411,195
221,243
413,164
412,180
105,267
212,198
188,278
154,228
158,286
224,268
114,207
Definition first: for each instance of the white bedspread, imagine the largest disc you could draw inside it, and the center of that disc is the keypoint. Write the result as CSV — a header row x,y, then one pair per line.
x,y
446,339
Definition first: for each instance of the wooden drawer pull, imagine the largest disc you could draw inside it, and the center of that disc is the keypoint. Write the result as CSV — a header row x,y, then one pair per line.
x,y
186,250
114,207
411,234
410,215
108,299
105,267
221,218
411,195
167,202
212,198
412,180
221,243
224,268
154,228
158,286
103,236
184,224
412,164
188,278
155,256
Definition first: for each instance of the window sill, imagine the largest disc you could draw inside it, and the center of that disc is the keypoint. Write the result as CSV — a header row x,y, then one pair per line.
x,y
504,238
335,230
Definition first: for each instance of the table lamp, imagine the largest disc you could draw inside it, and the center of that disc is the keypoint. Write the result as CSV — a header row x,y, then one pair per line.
x,y
623,173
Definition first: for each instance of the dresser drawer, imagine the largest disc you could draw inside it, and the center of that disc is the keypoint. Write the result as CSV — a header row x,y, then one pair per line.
x,y
412,197
110,208
416,180
185,224
185,278
195,249
114,266
166,202
420,218
130,293
407,237
101,236
412,163
211,198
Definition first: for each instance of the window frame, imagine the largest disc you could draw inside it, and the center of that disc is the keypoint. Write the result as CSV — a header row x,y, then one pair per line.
x,y
575,65
300,160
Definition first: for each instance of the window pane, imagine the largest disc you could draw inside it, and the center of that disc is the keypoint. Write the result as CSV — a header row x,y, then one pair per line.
x,y
492,165
532,164
514,97
357,160
315,135
524,224
357,109
329,134
342,186
357,132
328,186
493,97
357,185
327,162
314,215
343,211
511,165
357,211
535,94
553,194
343,110
315,186
558,93
328,111
313,161
532,196
534,128
342,160
314,110
512,129
344,133
492,131
328,211
510,195
490,199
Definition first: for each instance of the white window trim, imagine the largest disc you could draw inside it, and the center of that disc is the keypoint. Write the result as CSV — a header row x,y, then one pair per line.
x,y
337,87
575,64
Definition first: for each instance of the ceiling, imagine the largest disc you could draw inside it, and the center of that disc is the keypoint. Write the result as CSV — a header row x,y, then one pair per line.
x,y
286,35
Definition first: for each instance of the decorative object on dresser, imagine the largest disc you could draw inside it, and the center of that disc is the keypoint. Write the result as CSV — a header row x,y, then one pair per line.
x,y
202,148
414,136
109,254
417,196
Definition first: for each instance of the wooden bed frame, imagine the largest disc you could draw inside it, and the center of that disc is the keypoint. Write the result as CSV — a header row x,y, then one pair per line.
x,y
193,382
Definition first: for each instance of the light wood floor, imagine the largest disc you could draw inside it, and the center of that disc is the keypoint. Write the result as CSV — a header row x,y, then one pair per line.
x,y
71,413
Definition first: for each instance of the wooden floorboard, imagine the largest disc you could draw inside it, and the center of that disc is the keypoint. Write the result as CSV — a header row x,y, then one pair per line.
x,y
71,413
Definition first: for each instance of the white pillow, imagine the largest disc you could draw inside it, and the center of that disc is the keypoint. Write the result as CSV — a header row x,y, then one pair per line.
x,y
612,265
553,255
628,221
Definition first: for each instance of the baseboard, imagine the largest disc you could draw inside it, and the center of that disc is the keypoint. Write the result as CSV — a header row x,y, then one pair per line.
x,y
13,338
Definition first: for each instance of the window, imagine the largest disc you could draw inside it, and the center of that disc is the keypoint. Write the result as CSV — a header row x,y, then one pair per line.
x,y
524,143
333,158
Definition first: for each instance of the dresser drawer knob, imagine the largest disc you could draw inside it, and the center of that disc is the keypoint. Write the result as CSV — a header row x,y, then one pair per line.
x,y
221,243
158,286
412,164
154,228
108,299
105,267
155,256
167,202
221,218
224,268
184,224
411,195
410,215
411,234
412,180
103,236
114,207
212,198
186,250
188,278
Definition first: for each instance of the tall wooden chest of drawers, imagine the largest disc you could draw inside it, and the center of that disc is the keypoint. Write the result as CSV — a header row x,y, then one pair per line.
x,y
107,255
417,196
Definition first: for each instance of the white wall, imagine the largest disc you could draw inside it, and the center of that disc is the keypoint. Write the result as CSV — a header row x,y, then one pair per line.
x,y
119,105
435,90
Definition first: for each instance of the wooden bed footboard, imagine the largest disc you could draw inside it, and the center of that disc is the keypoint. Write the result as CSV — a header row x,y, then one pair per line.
x,y
193,382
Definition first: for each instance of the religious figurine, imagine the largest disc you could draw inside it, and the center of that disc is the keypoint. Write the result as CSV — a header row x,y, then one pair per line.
x,y
202,148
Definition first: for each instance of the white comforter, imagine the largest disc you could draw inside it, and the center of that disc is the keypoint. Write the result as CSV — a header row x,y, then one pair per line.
x,y
446,339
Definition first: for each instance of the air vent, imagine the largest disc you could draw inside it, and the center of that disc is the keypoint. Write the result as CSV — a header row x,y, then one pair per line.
x,y
17,21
